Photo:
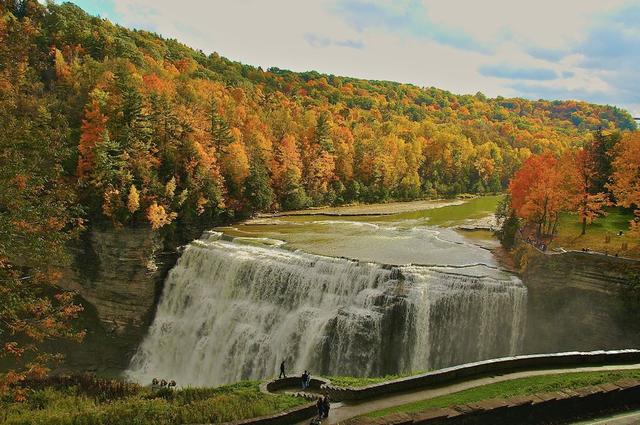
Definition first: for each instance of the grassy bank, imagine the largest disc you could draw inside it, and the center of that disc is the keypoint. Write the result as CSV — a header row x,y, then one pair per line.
x,y
570,228
77,405
516,387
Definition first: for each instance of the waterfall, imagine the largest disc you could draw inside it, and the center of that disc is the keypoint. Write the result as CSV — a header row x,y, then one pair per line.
x,y
233,311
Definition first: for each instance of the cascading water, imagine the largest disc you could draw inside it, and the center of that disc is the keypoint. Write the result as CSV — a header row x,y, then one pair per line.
x,y
233,311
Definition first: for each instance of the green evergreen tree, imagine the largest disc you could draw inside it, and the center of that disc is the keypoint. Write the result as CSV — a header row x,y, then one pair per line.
x,y
257,188
220,132
323,133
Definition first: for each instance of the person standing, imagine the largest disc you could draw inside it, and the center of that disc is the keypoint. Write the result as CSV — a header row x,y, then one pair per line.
x,y
282,374
326,405
320,407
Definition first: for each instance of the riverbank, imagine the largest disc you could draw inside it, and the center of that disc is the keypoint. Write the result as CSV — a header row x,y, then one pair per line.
x,y
388,208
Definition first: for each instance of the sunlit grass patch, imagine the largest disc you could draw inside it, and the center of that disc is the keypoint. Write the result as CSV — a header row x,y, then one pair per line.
x,y
516,387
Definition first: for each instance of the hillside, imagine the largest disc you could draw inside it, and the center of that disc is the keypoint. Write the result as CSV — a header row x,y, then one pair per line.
x,y
147,129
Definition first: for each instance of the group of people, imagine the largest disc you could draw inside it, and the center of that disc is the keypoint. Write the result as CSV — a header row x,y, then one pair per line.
x,y
157,384
541,245
323,404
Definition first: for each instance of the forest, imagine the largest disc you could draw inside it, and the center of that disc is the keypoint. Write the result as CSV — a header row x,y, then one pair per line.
x,y
105,126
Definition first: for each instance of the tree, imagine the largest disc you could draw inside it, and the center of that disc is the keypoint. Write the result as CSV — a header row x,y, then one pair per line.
x,y
236,165
600,150
539,193
93,132
625,179
257,189
219,129
508,222
580,171
322,136
133,201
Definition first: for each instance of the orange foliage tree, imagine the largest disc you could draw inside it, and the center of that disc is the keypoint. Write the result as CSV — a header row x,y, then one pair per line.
x,y
540,192
580,169
625,180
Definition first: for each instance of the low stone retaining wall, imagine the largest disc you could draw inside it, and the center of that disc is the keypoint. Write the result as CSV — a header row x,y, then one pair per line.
x,y
486,367
291,382
291,416
539,408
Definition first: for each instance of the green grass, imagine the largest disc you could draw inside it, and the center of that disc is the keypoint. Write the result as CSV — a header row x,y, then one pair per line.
x,y
516,387
570,229
70,405
355,382
454,215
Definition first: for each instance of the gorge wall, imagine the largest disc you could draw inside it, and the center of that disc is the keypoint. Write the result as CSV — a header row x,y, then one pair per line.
x,y
118,275
579,301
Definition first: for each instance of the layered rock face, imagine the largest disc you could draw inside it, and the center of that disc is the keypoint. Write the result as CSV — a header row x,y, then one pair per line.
x,y
117,271
580,301
118,274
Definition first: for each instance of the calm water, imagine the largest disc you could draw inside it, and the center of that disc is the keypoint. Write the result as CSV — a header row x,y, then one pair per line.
x,y
426,237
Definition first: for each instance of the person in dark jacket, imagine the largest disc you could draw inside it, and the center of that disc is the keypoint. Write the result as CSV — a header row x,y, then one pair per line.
x,y
282,374
326,405
320,407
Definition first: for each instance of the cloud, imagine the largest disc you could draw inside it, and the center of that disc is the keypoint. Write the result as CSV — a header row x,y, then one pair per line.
x,y
511,73
541,91
316,40
409,17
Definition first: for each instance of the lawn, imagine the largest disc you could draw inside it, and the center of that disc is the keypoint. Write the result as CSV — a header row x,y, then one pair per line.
x,y
355,382
516,387
73,404
570,229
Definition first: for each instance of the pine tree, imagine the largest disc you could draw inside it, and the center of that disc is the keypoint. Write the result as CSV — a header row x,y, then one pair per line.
x,y
220,132
257,189
323,133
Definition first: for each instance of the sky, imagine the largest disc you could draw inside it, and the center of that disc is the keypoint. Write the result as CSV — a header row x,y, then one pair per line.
x,y
550,49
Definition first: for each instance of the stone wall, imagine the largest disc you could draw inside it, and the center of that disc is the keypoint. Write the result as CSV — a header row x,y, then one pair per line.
x,y
579,301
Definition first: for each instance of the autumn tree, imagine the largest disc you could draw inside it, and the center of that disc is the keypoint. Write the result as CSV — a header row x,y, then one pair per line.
x,y
580,170
625,179
236,164
539,193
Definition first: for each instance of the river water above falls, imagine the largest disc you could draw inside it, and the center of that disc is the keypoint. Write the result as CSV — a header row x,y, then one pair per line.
x,y
367,295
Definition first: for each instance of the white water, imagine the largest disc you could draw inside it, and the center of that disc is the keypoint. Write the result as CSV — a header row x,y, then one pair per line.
x,y
233,311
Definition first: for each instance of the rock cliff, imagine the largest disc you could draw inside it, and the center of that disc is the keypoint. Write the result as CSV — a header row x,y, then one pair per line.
x,y
579,301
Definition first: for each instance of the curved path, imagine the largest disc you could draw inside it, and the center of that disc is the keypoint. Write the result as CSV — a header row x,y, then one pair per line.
x,y
347,410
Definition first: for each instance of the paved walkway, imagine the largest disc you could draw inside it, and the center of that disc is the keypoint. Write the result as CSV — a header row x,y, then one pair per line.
x,y
343,411
628,418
